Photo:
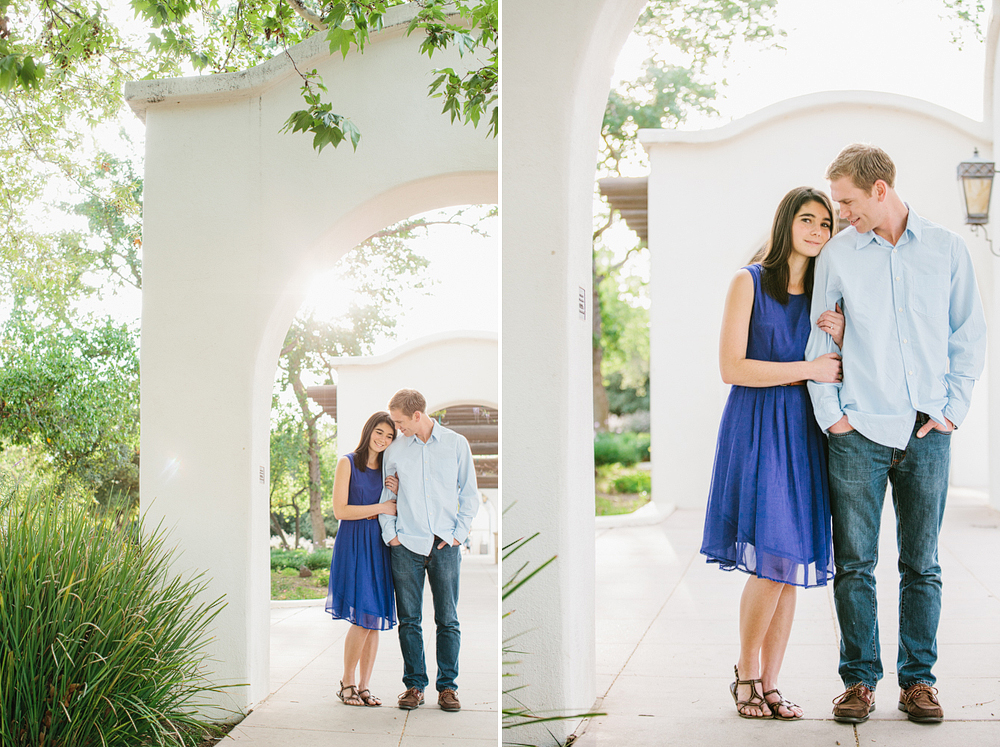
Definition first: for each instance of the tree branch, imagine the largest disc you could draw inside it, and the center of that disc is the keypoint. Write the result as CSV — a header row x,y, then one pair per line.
x,y
302,11
605,227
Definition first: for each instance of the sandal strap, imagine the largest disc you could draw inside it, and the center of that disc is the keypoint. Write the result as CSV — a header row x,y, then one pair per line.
x,y
349,692
782,700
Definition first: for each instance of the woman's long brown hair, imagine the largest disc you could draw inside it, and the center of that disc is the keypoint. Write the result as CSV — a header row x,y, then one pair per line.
x,y
361,452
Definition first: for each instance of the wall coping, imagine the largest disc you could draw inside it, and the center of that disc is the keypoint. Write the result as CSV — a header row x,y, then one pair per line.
x,y
141,94
815,101
412,345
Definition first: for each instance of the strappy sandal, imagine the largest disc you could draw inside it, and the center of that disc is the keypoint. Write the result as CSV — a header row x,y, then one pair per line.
x,y
756,700
351,694
369,699
776,705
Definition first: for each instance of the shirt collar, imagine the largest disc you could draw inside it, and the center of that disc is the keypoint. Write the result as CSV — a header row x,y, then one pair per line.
x,y
914,226
434,434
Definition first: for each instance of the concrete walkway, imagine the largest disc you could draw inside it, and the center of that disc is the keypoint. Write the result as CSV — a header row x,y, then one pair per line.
x,y
307,650
667,639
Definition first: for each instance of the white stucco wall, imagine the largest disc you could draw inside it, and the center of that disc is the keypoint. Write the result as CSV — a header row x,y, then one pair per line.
x,y
237,218
712,196
448,368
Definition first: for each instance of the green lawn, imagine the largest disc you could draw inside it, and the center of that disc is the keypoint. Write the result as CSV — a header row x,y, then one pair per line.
x,y
609,481
286,585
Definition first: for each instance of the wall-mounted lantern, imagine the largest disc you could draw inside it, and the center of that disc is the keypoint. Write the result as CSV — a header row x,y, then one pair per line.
x,y
977,184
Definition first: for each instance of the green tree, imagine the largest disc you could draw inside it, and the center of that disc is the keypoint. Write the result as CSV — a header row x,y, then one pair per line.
x,y
290,471
71,393
51,48
625,341
663,96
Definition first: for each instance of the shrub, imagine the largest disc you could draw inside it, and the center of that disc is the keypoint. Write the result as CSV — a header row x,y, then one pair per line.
x,y
99,643
314,561
621,448
633,482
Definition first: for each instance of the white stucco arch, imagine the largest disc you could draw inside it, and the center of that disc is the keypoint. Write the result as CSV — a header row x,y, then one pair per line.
x,y
740,172
237,216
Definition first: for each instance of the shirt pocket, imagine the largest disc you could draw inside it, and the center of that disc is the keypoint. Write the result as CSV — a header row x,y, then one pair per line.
x,y
446,478
930,294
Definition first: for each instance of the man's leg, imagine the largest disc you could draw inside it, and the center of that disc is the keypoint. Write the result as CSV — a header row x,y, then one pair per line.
x,y
858,474
408,580
443,574
920,487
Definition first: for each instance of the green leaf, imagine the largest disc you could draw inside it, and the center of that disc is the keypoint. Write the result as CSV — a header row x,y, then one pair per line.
x,y
340,40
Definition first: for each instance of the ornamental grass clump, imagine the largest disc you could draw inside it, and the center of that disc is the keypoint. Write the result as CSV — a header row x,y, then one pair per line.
x,y
100,646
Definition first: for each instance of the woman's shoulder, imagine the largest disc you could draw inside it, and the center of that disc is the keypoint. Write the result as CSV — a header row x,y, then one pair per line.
x,y
746,278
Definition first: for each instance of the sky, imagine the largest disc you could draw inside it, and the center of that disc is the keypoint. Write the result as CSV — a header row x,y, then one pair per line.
x,y
899,46
465,294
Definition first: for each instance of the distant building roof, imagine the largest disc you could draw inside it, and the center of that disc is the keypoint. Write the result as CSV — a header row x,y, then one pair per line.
x,y
628,195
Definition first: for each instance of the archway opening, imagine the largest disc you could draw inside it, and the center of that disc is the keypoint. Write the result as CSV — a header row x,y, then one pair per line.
x,y
414,305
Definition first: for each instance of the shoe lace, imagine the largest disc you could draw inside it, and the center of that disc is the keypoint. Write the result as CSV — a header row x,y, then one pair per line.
x,y
856,689
913,690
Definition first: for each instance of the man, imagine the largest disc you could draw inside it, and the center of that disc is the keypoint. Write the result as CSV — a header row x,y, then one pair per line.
x,y
914,344
437,500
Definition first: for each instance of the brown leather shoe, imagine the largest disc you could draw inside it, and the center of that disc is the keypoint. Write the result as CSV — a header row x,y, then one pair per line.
x,y
854,704
411,699
921,704
448,700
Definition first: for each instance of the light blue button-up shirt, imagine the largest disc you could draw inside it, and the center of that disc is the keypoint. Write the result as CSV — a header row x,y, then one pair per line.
x,y
915,336
438,495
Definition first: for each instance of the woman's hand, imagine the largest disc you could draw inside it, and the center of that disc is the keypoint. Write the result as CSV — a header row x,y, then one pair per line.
x,y
827,369
388,508
392,483
832,322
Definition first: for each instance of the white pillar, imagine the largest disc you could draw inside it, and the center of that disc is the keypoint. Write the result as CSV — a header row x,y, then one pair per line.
x,y
558,60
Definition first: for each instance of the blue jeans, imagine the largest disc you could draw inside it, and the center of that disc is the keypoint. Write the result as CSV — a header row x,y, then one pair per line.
x,y
442,569
859,469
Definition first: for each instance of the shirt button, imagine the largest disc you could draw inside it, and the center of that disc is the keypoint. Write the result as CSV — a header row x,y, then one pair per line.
x,y
905,341
900,308
909,373
893,251
897,277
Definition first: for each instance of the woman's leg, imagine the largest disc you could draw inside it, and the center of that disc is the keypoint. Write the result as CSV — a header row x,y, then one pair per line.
x,y
354,644
368,653
757,608
772,651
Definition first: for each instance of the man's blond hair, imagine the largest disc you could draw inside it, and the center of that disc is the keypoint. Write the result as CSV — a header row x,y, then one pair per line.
x,y
863,164
408,401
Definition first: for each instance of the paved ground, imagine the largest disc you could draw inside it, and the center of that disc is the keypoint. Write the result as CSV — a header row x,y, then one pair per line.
x,y
667,641
307,649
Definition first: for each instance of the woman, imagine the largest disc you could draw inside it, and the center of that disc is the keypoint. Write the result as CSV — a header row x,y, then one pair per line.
x,y
360,588
768,508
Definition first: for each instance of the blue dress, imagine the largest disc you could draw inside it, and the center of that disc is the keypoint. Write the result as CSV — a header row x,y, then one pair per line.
x,y
360,589
769,507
